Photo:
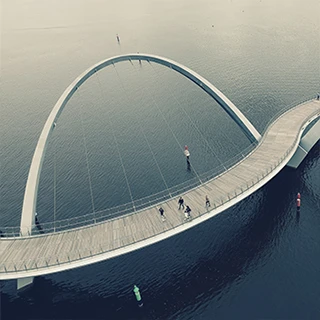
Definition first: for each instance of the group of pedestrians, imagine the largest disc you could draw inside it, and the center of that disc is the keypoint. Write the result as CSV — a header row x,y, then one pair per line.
x,y
186,208
187,211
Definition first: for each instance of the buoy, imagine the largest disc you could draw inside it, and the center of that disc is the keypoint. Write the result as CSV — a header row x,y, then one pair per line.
x,y
298,201
138,295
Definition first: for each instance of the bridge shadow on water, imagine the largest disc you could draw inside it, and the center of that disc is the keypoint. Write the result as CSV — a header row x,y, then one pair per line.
x,y
182,272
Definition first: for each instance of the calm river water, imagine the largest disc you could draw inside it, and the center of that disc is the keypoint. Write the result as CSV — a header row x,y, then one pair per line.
x,y
258,260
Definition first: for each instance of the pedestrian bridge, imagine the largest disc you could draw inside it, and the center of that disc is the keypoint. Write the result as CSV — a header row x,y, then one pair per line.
x,y
283,143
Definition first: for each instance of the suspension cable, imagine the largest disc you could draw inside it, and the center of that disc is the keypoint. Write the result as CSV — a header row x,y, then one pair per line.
x,y
86,153
119,153
175,137
54,181
192,122
197,128
145,137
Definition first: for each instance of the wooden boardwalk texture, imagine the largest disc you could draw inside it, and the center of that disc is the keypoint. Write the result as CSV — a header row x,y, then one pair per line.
x,y
48,253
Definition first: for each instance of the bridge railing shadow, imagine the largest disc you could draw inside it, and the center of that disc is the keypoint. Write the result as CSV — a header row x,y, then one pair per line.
x,y
75,255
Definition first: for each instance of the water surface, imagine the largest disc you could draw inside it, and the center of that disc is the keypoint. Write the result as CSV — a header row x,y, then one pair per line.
x,y
257,260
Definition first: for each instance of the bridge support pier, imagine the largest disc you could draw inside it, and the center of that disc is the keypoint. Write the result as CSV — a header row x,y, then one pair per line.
x,y
297,158
305,145
24,283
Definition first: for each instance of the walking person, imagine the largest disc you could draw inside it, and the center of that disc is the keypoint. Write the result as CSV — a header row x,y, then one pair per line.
x,y
181,203
162,214
207,202
36,218
187,213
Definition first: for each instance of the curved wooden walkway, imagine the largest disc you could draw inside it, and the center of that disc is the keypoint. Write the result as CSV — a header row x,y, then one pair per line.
x,y
54,252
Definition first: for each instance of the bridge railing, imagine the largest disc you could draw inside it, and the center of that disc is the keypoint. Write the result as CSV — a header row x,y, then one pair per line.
x,y
75,255
133,207
281,112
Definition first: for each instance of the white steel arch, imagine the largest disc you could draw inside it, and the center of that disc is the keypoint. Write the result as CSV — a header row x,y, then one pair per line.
x,y
31,191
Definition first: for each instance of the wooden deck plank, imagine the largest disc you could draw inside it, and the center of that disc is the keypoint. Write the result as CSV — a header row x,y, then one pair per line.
x,y
147,223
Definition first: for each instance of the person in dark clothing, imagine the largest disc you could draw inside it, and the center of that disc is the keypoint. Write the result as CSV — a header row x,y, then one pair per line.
x,y
181,203
163,217
207,202
187,213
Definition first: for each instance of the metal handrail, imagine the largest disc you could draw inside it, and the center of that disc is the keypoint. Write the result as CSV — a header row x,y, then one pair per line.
x,y
148,201
284,110
126,209
90,252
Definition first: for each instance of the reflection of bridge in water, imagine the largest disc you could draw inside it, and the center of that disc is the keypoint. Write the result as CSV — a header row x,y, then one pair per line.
x,y
77,242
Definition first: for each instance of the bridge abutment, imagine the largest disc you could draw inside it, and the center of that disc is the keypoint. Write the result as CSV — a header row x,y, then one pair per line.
x,y
305,145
